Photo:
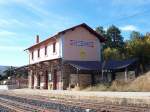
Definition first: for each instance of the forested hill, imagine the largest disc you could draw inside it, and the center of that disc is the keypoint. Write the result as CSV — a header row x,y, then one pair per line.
x,y
3,68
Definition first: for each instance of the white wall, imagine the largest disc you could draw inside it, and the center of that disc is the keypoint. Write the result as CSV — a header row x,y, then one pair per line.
x,y
68,52
50,55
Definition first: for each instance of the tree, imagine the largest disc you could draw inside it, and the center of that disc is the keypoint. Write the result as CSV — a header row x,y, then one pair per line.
x,y
115,40
101,31
111,53
139,48
9,72
135,35
22,72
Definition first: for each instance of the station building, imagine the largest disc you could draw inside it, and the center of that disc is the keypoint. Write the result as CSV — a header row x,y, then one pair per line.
x,y
68,59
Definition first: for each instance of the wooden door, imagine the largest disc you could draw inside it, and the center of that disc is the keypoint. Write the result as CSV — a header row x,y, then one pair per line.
x,y
55,80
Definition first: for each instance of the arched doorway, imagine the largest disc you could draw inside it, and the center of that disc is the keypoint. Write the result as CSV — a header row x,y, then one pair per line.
x,y
46,79
55,80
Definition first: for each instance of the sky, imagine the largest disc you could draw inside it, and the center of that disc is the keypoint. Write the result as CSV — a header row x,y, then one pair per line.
x,y
22,20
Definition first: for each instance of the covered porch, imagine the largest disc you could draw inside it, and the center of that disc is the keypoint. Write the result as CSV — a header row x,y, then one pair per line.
x,y
123,68
62,74
83,73
45,75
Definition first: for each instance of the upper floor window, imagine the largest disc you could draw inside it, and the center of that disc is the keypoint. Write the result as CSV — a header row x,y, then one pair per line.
x,y
54,47
32,55
45,50
38,53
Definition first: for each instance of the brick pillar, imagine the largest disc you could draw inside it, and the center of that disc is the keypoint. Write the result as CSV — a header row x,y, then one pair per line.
x,y
38,81
32,81
29,81
30,78
35,81
45,80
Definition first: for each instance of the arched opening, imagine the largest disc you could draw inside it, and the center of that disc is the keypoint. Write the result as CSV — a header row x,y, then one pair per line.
x,y
46,79
55,80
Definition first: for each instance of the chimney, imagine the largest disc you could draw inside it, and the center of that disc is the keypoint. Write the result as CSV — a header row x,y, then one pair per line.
x,y
37,39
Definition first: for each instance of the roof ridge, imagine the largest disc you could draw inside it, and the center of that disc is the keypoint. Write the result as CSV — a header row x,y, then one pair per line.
x,y
102,39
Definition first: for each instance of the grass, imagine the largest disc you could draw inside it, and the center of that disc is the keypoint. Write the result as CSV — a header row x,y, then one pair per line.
x,y
140,84
99,87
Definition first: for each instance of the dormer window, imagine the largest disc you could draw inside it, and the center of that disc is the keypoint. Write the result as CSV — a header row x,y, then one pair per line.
x,y
54,47
38,53
45,50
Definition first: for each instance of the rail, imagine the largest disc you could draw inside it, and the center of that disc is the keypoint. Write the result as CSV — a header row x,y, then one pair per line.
x,y
42,104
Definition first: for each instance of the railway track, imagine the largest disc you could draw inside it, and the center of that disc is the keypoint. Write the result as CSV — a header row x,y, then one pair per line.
x,y
9,105
44,104
94,105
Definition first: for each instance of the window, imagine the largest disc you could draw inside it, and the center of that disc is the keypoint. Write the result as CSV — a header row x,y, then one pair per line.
x,y
45,50
54,47
38,53
32,55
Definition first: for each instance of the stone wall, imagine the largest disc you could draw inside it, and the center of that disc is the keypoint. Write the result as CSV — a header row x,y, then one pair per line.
x,y
55,65
70,77
81,80
121,76
67,70
97,78
40,72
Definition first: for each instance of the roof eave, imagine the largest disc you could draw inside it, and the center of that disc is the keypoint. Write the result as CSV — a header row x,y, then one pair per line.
x,y
101,38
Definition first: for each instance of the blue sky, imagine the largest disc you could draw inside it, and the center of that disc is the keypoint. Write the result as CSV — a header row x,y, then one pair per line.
x,y
21,20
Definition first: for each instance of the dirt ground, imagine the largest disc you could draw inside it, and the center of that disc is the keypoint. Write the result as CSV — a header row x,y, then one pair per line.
x,y
133,98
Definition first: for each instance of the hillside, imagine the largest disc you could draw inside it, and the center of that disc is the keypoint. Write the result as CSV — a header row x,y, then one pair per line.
x,y
3,68
141,83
